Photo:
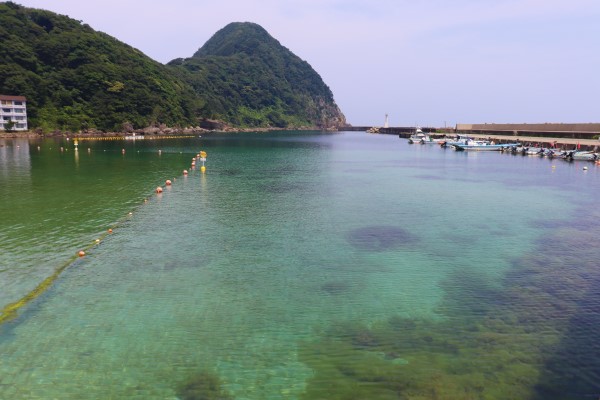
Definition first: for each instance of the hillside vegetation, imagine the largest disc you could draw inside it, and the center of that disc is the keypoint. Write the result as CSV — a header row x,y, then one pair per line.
x,y
76,78
250,79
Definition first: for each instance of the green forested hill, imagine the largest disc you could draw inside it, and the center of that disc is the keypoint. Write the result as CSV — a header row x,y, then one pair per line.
x,y
250,79
76,78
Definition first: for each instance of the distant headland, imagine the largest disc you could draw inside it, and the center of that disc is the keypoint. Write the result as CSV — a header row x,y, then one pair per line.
x,y
78,79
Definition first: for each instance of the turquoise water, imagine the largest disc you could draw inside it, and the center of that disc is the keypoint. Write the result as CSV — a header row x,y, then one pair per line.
x,y
300,266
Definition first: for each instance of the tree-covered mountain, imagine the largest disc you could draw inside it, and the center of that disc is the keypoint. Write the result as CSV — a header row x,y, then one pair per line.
x,y
77,78
250,79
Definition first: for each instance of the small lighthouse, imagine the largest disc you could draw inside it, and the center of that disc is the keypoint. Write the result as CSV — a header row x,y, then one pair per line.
x,y
386,124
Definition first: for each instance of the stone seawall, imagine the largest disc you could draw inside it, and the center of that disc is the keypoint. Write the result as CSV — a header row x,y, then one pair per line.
x,y
574,131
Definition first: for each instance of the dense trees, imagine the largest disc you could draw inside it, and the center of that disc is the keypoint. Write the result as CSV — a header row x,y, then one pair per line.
x,y
250,79
76,78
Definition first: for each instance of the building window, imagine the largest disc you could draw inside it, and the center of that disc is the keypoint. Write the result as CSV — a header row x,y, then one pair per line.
x,y
18,103
6,110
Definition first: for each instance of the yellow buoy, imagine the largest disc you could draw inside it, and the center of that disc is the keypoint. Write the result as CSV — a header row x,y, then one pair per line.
x,y
203,168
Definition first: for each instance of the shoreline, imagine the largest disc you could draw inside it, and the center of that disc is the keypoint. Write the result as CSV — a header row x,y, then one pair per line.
x,y
146,133
156,133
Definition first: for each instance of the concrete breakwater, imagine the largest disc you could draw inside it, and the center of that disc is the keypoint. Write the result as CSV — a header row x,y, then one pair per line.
x,y
547,130
568,140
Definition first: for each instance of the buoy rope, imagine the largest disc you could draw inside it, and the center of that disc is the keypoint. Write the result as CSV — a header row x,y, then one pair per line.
x,y
137,137
9,311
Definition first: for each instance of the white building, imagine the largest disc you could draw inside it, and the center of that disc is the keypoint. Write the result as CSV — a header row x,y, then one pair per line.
x,y
13,108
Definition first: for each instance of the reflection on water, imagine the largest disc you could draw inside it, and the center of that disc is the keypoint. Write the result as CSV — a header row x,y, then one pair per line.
x,y
313,266
14,158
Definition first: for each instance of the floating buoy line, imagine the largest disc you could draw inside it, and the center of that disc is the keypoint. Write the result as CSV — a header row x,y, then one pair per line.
x,y
10,311
139,137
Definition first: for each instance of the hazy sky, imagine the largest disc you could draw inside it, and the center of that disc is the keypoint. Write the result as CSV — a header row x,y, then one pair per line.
x,y
425,62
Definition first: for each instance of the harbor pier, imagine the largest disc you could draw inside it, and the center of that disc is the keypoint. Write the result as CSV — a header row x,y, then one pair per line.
x,y
583,136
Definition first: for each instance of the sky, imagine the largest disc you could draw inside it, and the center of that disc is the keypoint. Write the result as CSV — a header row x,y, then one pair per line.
x,y
422,62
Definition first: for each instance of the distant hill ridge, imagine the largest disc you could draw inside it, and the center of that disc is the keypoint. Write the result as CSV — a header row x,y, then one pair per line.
x,y
263,82
76,78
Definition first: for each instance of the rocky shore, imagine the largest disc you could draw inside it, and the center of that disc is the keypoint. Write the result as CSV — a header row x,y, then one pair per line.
x,y
147,132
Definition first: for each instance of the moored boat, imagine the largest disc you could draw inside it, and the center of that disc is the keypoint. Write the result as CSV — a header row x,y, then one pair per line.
x,y
533,151
482,145
420,138
460,139
581,156
134,137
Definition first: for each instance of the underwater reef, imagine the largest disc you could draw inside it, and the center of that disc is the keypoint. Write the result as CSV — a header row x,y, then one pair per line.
x,y
203,386
530,337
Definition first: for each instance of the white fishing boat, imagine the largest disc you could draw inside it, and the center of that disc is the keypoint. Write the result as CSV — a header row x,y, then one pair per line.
x,y
133,136
482,145
420,138
582,156
533,151
459,139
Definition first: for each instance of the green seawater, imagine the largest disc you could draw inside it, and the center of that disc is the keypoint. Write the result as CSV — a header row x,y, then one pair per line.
x,y
299,266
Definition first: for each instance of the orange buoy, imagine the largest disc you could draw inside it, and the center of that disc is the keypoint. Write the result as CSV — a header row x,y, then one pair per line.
x,y
185,172
168,182
109,230
159,190
81,253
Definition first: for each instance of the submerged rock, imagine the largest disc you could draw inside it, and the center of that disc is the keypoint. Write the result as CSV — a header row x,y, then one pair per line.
x,y
380,238
203,386
334,287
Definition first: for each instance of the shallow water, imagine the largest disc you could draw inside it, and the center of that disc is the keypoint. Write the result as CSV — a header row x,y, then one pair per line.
x,y
300,265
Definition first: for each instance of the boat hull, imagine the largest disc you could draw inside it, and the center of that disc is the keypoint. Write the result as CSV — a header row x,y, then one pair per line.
x,y
483,147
